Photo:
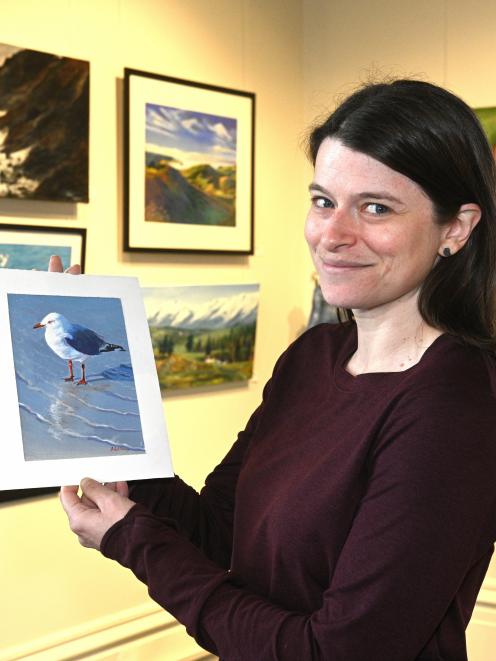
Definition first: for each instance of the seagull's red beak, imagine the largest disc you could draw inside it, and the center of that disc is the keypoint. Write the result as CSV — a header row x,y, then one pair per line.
x,y
38,325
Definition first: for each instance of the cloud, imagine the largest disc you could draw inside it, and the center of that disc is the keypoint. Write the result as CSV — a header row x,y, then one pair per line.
x,y
220,131
192,125
157,121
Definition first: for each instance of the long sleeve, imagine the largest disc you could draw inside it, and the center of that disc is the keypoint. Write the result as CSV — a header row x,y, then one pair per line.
x,y
354,537
205,518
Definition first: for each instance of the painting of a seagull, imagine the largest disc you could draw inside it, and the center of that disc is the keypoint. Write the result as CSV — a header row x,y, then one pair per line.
x,y
93,414
73,342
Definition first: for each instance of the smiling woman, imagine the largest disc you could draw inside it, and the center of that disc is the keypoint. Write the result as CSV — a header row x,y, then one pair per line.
x,y
355,516
446,156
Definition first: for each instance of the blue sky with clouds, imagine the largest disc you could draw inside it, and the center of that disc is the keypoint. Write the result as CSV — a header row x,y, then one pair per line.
x,y
190,137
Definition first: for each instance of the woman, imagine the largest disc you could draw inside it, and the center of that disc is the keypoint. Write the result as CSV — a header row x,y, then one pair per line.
x,y
354,517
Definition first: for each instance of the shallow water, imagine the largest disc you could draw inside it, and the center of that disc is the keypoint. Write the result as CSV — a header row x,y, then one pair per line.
x,y
60,419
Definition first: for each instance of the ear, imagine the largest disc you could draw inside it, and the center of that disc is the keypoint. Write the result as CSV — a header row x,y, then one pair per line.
x,y
458,230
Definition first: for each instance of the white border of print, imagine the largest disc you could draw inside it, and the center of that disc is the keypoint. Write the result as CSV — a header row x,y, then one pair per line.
x,y
15,472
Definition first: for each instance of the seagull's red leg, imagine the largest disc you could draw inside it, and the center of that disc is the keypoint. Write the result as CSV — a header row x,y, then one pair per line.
x,y
82,381
71,373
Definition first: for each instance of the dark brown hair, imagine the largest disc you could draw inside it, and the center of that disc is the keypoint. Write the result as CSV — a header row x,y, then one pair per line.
x,y
432,137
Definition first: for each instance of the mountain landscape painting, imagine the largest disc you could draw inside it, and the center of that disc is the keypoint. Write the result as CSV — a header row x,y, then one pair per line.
x,y
44,126
202,335
190,167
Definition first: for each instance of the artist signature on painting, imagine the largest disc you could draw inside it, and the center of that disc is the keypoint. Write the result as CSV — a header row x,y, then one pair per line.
x,y
117,449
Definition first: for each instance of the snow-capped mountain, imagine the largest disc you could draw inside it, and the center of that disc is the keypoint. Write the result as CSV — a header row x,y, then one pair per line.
x,y
222,312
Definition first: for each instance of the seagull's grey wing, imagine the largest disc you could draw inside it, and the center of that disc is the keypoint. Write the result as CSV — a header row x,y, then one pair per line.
x,y
84,340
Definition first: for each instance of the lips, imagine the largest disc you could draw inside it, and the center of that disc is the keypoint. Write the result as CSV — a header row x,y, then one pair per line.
x,y
341,266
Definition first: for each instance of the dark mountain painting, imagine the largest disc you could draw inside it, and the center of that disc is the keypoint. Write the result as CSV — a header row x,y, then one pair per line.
x,y
44,126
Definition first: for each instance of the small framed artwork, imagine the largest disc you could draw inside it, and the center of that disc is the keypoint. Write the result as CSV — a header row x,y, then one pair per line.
x,y
44,125
321,312
30,247
202,336
188,166
78,381
487,117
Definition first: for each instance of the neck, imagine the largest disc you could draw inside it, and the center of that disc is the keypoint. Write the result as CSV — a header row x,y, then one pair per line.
x,y
390,338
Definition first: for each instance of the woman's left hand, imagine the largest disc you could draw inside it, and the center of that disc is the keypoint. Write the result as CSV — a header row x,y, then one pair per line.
x,y
98,508
55,265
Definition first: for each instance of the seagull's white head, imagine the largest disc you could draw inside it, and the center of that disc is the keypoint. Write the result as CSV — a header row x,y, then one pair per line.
x,y
52,320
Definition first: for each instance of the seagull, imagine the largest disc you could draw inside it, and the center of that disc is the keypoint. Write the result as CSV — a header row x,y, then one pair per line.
x,y
73,341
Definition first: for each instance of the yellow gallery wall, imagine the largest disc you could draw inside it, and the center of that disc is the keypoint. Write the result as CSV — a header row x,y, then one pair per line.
x,y
297,55
48,583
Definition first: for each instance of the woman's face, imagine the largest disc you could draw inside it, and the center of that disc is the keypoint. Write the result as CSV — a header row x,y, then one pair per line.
x,y
371,230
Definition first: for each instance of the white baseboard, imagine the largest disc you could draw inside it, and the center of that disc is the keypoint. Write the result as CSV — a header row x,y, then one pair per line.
x,y
124,636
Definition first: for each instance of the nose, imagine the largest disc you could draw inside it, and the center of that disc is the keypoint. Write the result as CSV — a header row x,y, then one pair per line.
x,y
339,230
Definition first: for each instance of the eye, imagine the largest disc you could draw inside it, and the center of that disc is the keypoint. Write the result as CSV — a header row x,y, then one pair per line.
x,y
321,202
377,209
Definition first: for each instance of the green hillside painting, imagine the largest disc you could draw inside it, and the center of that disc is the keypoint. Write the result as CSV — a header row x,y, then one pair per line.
x,y
190,167
487,117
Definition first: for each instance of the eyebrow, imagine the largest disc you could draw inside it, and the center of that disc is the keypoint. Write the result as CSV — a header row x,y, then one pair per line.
x,y
375,195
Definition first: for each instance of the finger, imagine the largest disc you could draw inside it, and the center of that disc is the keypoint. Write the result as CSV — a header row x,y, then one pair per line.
x,y
75,269
122,489
87,502
69,498
94,490
55,264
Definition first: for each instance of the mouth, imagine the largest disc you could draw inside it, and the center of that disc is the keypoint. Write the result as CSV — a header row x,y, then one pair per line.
x,y
38,325
341,267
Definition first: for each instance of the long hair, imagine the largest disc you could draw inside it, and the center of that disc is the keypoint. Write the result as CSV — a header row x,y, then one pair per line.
x,y
432,137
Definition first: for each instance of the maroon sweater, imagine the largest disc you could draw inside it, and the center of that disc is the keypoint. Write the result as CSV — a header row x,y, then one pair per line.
x,y
353,519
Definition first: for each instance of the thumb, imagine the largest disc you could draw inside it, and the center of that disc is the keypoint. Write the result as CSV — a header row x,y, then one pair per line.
x,y
93,490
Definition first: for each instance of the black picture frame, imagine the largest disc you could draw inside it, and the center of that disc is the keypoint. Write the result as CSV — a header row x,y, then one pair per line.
x,y
28,235
42,235
173,200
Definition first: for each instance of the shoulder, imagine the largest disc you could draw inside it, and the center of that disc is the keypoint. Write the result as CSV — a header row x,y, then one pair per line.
x,y
457,370
447,405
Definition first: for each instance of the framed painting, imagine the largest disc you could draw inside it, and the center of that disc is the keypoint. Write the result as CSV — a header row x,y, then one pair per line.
x,y
188,166
202,335
321,312
78,378
487,117
29,247
44,125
